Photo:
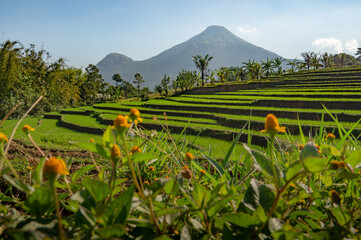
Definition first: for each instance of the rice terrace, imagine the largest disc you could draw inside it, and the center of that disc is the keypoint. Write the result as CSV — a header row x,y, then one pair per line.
x,y
213,138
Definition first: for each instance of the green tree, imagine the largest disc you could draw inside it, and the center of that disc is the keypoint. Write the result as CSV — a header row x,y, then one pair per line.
x,y
293,63
267,67
186,79
307,58
222,74
138,81
92,87
358,54
277,64
117,78
165,84
202,64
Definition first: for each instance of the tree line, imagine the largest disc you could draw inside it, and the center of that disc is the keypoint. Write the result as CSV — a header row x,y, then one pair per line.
x,y
253,69
27,73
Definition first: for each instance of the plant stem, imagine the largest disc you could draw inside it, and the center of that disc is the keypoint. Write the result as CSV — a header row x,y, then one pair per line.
x,y
57,207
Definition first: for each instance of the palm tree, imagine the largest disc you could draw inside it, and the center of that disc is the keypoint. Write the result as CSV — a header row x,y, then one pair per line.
x,y
267,67
202,64
326,60
254,68
307,57
277,62
292,63
316,61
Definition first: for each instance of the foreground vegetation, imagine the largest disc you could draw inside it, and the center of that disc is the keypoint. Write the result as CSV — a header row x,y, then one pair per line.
x,y
150,187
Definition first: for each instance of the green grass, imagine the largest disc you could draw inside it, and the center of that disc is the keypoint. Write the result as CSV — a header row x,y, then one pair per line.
x,y
48,134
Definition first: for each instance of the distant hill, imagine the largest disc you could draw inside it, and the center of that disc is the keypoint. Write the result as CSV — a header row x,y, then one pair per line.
x,y
226,49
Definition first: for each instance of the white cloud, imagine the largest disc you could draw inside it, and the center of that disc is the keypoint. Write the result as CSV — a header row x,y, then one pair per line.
x,y
351,45
247,29
330,43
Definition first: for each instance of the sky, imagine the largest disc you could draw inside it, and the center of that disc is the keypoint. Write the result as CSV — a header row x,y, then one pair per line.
x,y
84,32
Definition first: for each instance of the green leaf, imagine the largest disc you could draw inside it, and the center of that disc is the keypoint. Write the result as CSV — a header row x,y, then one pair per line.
x,y
217,166
258,194
219,205
230,150
198,193
39,202
354,158
315,164
334,151
37,175
142,157
171,185
342,215
108,138
309,150
118,209
347,175
95,148
19,184
82,172
242,219
263,163
116,230
98,190
293,169
199,168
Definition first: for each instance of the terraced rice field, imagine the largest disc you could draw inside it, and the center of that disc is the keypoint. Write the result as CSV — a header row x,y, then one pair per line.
x,y
221,112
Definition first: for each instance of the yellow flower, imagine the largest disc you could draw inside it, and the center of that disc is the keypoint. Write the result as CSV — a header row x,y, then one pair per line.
x,y
189,156
151,169
335,197
272,127
185,167
121,123
203,172
91,140
135,149
115,152
134,115
300,147
27,129
55,165
3,137
146,183
330,137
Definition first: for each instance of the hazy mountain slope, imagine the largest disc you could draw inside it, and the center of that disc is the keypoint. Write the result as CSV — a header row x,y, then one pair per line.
x,y
226,49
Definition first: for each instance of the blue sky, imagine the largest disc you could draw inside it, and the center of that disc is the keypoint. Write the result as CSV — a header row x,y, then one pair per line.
x,y
84,32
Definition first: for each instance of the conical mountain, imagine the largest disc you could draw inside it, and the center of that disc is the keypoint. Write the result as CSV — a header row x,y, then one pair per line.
x,y
226,49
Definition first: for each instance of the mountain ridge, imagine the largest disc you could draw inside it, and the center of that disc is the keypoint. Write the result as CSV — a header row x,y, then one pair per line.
x,y
225,47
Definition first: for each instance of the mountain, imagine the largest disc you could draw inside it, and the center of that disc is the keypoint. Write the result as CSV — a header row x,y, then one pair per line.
x,y
226,49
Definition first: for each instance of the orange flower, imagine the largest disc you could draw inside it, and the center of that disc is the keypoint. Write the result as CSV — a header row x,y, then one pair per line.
x,y
151,169
3,137
115,152
342,164
272,127
146,183
330,137
300,147
203,172
121,123
186,173
189,156
334,165
335,197
134,115
185,167
135,149
55,165
91,140
27,129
